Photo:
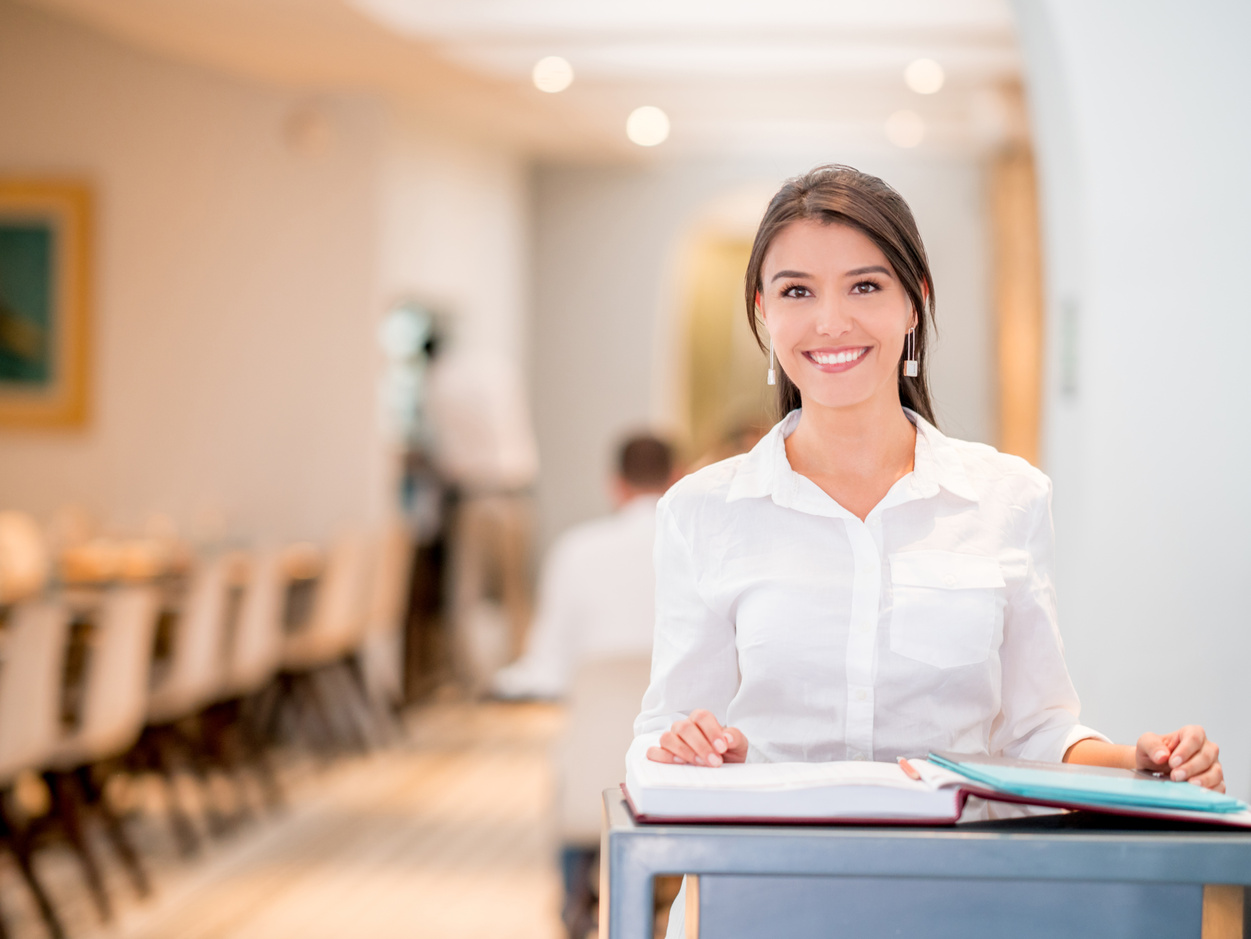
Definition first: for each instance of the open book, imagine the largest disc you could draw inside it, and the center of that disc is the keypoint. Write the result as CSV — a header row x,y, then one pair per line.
x,y
882,793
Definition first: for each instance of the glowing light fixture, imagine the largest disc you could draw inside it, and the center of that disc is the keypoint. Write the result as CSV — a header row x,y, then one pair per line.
x,y
647,126
924,76
552,74
905,129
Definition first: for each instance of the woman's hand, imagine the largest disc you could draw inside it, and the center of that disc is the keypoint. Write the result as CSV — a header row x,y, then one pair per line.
x,y
701,740
1185,754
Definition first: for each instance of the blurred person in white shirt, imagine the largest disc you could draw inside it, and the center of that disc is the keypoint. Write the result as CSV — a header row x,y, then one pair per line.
x,y
596,591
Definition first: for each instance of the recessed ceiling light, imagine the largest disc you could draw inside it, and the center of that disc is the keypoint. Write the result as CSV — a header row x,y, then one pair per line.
x,y
905,129
647,126
553,74
924,76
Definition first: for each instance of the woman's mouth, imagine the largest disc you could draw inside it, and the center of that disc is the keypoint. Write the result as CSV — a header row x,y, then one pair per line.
x,y
836,360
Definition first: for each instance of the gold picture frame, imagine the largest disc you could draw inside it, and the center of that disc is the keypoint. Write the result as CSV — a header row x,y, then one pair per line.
x,y
45,266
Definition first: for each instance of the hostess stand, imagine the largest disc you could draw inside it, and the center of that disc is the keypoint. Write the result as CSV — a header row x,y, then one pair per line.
x,y
1071,875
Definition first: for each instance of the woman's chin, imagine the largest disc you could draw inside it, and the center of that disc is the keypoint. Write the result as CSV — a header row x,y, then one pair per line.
x,y
828,398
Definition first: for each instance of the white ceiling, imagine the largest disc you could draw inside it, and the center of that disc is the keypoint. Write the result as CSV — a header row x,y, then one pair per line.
x,y
735,76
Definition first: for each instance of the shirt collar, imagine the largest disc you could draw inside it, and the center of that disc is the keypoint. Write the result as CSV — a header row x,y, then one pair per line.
x,y
765,471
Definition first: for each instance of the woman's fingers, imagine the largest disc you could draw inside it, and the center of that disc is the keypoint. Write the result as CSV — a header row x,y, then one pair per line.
x,y
1198,764
1153,752
707,722
700,739
661,755
736,746
1211,778
1190,748
677,746
698,732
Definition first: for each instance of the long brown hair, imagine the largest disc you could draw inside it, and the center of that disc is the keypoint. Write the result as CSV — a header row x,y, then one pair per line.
x,y
839,194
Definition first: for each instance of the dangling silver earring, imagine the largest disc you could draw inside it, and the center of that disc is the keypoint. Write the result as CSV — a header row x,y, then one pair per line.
x,y
910,363
772,376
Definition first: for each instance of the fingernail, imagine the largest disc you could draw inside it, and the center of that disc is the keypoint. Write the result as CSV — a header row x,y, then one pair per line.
x,y
719,744
1179,775
699,760
678,759
714,760
729,741
1175,761
1160,756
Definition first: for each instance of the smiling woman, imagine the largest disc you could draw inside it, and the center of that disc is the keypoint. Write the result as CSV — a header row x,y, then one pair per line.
x,y
860,586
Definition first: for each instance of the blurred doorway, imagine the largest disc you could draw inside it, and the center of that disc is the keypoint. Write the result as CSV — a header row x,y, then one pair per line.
x,y
1018,299
727,398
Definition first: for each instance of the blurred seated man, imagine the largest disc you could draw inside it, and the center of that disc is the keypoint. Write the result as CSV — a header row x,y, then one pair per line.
x,y
596,591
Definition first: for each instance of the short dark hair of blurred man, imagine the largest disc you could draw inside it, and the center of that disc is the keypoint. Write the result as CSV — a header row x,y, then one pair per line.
x,y
596,591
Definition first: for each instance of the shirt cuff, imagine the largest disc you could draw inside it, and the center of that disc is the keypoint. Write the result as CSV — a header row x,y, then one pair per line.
x,y
1079,733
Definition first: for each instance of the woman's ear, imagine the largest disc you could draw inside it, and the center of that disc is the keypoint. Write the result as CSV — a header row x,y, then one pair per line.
x,y
925,301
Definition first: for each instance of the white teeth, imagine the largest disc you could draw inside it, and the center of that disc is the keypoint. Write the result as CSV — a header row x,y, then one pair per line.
x,y
836,358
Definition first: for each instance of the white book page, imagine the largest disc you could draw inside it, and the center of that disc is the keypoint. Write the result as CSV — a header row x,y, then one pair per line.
x,y
785,776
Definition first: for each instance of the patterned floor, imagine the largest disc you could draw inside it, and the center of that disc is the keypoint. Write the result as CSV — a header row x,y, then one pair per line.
x,y
447,837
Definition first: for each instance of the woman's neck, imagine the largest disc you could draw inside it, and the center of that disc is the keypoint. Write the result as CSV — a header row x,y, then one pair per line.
x,y
854,454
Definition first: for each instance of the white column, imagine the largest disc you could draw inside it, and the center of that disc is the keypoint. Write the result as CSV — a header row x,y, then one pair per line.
x,y
1141,125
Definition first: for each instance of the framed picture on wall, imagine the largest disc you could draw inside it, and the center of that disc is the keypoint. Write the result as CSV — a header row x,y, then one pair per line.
x,y
45,254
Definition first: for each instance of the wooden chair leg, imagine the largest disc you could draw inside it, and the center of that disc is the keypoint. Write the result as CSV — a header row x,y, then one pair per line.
x,y
270,703
248,727
351,707
218,737
46,910
383,716
69,804
194,756
116,832
314,707
20,844
165,762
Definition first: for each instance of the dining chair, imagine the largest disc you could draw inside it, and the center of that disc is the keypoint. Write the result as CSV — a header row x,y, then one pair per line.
x,y
30,683
114,705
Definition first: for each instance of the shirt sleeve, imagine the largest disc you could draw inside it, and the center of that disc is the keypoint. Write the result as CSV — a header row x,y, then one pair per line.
x,y
694,660
1038,719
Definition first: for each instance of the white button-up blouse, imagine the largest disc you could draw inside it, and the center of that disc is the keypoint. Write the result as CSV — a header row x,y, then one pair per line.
x,y
930,625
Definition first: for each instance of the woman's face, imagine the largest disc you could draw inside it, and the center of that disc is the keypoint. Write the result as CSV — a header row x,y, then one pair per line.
x,y
836,312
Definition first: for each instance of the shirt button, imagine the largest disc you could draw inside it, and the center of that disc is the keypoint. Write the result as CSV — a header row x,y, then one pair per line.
x,y
862,695
858,757
950,580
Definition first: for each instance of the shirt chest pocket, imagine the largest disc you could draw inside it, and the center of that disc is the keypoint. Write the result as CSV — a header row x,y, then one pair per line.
x,y
945,607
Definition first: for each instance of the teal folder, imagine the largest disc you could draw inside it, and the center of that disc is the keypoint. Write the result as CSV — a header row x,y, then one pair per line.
x,y
1093,786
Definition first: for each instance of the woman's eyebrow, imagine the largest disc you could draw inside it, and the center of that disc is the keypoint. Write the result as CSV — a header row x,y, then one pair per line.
x,y
872,269
780,274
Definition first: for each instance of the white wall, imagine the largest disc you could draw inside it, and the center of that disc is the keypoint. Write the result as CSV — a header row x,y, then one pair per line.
x,y
1140,122
455,231
241,267
607,301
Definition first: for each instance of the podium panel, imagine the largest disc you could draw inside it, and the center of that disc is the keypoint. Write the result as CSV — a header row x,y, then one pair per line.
x,y
1072,875
834,907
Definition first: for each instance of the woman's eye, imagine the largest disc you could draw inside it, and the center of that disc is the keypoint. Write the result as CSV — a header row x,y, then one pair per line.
x,y
865,286
796,290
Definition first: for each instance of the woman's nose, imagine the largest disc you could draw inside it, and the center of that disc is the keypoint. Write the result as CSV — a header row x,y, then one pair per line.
x,y
832,318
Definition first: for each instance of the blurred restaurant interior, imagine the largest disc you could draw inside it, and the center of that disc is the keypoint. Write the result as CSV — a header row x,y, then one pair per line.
x,y
322,321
